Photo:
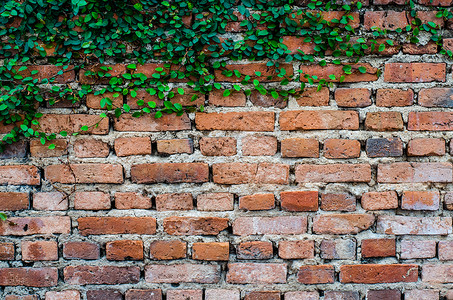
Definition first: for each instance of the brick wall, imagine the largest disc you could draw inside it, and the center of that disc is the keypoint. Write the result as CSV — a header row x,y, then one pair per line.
x,y
343,193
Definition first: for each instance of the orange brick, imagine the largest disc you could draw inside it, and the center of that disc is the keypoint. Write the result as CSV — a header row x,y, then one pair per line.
x,y
254,250
353,97
222,146
132,146
426,147
341,148
394,97
130,200
297,147
318,120
384,121
296,249
175,146
415,72
39,250
259,145
299,200
215,202
13,201
91,200
373,273
124,250
211,251
257,202
183,201
163,250
378,248
380,200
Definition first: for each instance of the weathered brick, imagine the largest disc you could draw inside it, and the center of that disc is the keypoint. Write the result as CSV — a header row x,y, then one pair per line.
x,y
420,200
16,297
64,295
297,147
211,251
414,72
318,120
426,147
347,295
132,146
383,294
295,43
382,147
84,173
35,225
49,71
239,173
236,121
50,201
13,201
256,145
316,274
91,200
220,294
333,173
302,295
162,250
178,273
445,250
215,202
341,201
411,249
437,273
374,273
98,75
378,248
84,275
34,277
50,123
235,99
194,225
430,120
313,97
267,100
270,225
124,250
175,146
19,175
81,250
353,97
416,49
257,202
183,201
221,146
256,273
342,223
94,101
87,148
402,225
116,225
436,97
135,294
390,20
170,173
449,200
379,200
130,200
37,149
394,97
296,249
250,69
263,295
148,123
39,250
255,250
323,72
299,200
7,251
338,249
341,148
421,294
384,121
185,295
411,172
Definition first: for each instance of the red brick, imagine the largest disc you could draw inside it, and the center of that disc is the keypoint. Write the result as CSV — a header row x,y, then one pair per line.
x,y
6,251
211,251
170,173
256,273
34,277
13,201
302,295
236,121
387,2
353,97
270,225
421,294
297,147
148,123
146,97
413,49
417,249
436,97
313,97
183,201
403,225
338,249
430,120
194,225
316,120
162,250
239,173
254,250
134,294
316,274
333,173
448,42
221,146
175,146
378,248
130,200
179,273
81,250
94,101
379,200
384,121
39,250
116,225
437,273
323,72
215,202
19,175
420,200
184,294
341,148
250,69
267,295
50,201
445,250
259,145
342,223
91,200
50,123
449,201
87,148
373,273
296,249
235,99
394,97
186,98
39,150
334,295
342,202
414,72
220,294
257,202
402,172
16,297
299,200
35,225
132,146
295,43
389,20
84,275
384,147
267,100
84,173
99,76
383,294
426,147
48,71
124,250
64,295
